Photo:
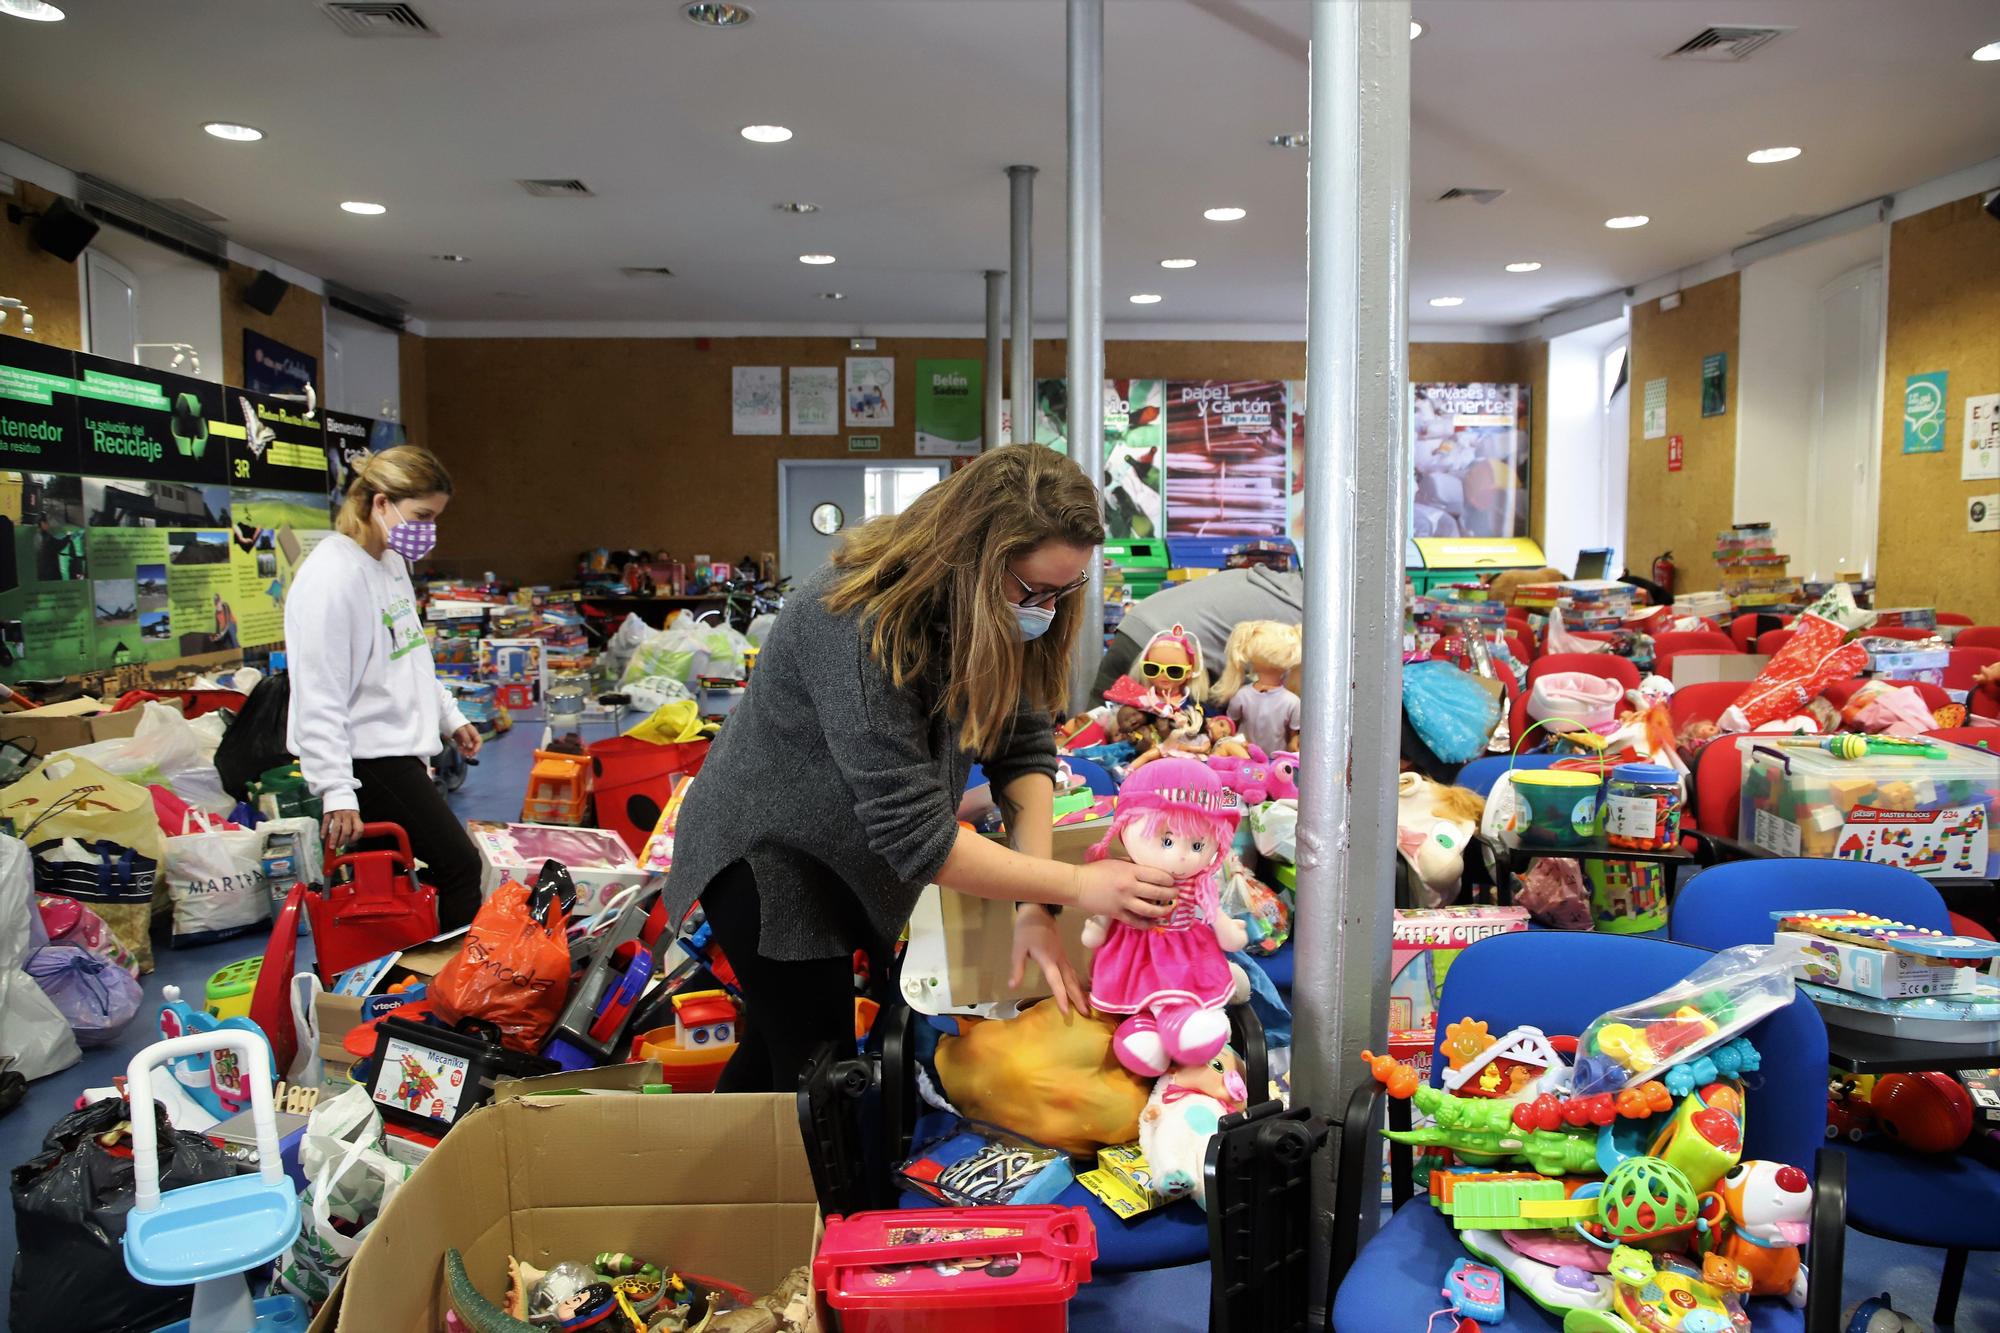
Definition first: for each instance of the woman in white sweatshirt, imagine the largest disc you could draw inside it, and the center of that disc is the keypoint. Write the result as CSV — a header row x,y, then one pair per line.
x,y
368,711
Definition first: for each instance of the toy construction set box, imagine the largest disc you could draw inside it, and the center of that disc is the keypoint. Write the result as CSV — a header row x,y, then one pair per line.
x,y
1930,812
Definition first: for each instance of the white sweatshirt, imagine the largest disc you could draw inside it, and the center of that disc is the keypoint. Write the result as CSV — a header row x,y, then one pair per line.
x,y
363,683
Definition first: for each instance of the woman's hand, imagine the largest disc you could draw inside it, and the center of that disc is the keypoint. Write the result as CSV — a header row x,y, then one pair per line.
x,y
342,828
1035,937
1135,894
468,741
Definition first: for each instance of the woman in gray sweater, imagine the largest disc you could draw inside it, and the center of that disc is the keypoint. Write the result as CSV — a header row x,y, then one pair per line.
x,y
936,637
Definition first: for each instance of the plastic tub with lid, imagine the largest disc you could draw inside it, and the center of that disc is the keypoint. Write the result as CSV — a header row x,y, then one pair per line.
x,y
955,1270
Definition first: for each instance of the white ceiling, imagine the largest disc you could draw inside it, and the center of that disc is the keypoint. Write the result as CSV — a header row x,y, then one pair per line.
x,y
906,111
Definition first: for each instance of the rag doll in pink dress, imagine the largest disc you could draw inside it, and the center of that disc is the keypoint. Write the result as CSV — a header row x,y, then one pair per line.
x,y
1173,976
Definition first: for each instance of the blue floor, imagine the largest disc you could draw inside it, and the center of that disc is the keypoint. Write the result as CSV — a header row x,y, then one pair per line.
x,y
1170,1301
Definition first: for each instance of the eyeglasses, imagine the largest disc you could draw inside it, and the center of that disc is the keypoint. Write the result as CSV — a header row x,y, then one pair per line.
x,y
1171,670
1037,600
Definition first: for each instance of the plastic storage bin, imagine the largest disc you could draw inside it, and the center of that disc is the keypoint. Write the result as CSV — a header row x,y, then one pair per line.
x,y
955,1270
1931,815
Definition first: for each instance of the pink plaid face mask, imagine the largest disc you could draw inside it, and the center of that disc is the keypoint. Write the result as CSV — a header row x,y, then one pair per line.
x,y
409,539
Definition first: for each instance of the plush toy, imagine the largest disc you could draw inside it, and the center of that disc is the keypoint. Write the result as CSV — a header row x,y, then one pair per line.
x,y
1434,826
1170,977
1049,1078
1189,736
1181,1117
1769,1206
1261,655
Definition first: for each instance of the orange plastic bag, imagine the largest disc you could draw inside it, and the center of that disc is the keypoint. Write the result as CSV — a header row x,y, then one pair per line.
x,y
514,969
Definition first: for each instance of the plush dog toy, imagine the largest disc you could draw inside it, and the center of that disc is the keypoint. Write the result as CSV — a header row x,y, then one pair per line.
x,y
1181,1116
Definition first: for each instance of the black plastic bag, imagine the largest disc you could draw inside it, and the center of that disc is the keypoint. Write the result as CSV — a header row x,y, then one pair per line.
x,y
70,1202
256,741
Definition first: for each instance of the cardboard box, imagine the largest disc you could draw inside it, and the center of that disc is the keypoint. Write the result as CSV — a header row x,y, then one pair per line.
x,y
336,1016
1879,972
1702,668
712,1185
598,860
43,731
1424,941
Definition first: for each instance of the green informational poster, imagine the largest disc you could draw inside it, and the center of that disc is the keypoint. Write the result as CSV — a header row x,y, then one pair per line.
x,y
45,592
280,450
1135,437
950,408
38,429
1924,399
273,532
128,568
201,592
1715,384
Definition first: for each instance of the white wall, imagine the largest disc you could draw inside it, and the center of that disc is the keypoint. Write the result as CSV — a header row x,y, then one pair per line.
x,y
362,372
1779,346
176,300
1575,476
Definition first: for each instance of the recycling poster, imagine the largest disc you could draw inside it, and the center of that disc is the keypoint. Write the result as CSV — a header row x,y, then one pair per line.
x,y
147,516
1135,436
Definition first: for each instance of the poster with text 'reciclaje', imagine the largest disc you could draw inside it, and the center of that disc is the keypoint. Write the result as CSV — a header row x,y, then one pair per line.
x,y
871,391
815,400
1470,443
1228,443
756,400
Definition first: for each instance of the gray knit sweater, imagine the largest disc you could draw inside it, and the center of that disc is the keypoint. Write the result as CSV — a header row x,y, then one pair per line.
x,y
840,789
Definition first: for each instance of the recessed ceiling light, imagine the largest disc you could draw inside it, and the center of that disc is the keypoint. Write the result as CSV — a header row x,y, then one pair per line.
x,y
1176,263
1447,300
833,296
1416,30
449,259
719,15
365,209
1990,51
224,129
793,206
1291,141
1224,214
1627,222
1763,155
766,133
815,259
1144,298
35,11
1524,266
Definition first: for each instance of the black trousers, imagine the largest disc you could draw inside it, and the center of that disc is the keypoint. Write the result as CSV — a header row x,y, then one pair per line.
x,y
400,791
790,1008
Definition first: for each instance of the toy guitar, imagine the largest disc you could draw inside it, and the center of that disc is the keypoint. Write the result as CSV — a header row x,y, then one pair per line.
x,y
1933,946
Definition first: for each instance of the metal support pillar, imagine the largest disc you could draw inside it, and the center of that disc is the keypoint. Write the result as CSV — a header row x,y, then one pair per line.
x,y
1357,478
996,365
1021,299
1085,361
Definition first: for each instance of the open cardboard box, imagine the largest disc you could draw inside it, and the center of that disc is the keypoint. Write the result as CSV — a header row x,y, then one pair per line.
x,y
63,726
1702,668
716,1186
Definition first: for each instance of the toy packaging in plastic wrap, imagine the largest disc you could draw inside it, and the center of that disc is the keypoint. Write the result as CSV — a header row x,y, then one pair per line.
x,y
972,1168
1932,815
1424,943
599,861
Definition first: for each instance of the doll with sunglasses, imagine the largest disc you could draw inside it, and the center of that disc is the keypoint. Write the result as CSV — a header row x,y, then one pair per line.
x,y
1171,671
1172,977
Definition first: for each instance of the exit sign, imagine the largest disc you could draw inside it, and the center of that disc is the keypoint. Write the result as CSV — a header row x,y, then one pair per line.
x,y
864,444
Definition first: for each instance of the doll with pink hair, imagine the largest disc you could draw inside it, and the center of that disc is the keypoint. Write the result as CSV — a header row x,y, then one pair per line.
x,y
1172,976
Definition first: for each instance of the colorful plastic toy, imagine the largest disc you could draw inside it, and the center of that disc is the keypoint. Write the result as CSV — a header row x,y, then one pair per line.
x,y
1733,1059
1481,1131
1398,1078
1508,1201
229,988
1927,1112
1659,1294
1768,1211
1642,1199
215,1079
1704,1139
1848,1114
1506,1067
1933,946
1475,1292
1557,1288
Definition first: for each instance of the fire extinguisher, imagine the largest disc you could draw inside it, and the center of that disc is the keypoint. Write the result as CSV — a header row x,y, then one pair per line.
x,y
1663,571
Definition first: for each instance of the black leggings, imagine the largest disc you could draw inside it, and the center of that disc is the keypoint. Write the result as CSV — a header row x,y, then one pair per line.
x,y
790,1008
400,791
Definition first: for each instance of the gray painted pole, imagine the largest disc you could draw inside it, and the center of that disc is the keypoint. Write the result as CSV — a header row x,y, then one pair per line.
x,y
1021,299
989,437
1357,473
1085,368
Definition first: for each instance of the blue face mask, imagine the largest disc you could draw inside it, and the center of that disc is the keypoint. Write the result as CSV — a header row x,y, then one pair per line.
x,y
1033,621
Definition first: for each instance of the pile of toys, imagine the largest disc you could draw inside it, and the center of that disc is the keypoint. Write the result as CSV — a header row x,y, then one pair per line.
x,y
1602,1176
1871,974
621,1291
1754,576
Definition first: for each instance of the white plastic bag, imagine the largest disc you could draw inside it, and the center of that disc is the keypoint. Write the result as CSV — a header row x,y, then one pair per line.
x,y
35,1039
169,751
215,879
619,649
760,628
1274,828
669,652
348,1176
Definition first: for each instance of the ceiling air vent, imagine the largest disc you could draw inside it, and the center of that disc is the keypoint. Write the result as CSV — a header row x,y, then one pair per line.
x,y
188,208
361,18
557,189
375,307
1469,195
1726,44
156,220
643,272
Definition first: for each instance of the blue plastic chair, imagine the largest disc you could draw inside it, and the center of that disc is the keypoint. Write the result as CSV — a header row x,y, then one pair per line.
x,y
1560,982
1480,774
1945,1202
1093,775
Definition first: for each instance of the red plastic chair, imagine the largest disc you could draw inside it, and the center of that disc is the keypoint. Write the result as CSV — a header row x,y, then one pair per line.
x,y
1706,702
1964,662
1596,635
1952,618
1743,630
1717,783
1841,691
1977,737
1907,633
1978,636
1597,664
1770,642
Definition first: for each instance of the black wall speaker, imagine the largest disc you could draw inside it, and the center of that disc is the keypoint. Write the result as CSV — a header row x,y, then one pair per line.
x,y
265,291
62,231
1993,205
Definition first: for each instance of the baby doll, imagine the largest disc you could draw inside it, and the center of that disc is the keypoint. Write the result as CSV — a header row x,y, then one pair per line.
x,y
1261,655
1171,977
1171,670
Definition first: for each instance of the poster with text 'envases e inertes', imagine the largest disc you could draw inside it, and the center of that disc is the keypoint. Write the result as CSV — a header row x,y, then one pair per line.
x,y
1470,443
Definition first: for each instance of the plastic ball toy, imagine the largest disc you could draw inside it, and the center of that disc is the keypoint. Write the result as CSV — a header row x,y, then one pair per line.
x,y
1645,1197
1928,1112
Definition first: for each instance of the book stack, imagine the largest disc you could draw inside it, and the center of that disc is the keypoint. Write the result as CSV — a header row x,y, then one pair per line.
x,y
1596,604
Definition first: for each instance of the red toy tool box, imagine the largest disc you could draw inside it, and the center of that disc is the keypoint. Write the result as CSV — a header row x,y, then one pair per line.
x,y
955,1270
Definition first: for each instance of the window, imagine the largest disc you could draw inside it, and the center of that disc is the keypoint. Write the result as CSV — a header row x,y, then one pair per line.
x,y
891,490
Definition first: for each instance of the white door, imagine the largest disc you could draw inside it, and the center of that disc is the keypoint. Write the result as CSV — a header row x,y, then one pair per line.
x,y
111,306
1846,426
819,499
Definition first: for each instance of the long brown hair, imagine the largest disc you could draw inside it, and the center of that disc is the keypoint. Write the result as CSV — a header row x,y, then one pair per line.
x,y
406,472
943,562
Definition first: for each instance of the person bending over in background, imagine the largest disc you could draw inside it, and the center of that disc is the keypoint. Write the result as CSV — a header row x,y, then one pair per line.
x,y
1209,608
830,800
368,710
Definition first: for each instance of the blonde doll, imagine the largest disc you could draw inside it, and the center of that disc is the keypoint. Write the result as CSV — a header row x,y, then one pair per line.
x,y
1260,656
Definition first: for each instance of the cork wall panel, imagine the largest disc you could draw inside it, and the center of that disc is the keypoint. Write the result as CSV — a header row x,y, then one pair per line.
x,y
300,322
413,386
1682,511
46,283
1943,314
1468,363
